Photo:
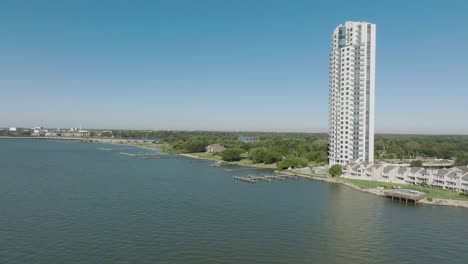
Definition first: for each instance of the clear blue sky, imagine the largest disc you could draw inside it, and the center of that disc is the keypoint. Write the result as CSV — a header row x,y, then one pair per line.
x,y
225,65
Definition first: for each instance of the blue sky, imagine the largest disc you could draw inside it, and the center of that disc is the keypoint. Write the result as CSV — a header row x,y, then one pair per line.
x,y
225,65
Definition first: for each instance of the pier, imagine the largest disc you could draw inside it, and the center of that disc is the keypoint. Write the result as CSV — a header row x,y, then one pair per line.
x,y
402,195
105,149
245,179
222,164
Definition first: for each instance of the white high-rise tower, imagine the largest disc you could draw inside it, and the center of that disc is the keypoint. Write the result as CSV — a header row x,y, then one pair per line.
x,y
352,89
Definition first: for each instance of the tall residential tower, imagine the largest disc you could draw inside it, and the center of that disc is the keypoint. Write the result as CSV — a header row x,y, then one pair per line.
x,y
352,88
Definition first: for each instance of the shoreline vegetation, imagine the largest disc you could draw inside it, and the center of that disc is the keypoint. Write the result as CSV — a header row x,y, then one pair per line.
x,y
432,197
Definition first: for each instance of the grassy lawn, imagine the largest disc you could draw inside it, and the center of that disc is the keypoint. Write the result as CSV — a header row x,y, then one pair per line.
x,y
295,171
205,155
242,162
247,162
431,192
150,146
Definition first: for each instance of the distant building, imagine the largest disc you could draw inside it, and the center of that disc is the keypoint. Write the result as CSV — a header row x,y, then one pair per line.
x,y
12,129
39,133
81,133
52,134
215,148
37,129
455,178
75,132
247,139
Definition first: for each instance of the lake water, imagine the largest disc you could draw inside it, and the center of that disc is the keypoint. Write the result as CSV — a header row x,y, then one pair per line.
x,y
68,202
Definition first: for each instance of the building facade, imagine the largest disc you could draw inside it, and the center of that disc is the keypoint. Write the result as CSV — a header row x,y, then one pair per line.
x,y
352,89
215,148
455,178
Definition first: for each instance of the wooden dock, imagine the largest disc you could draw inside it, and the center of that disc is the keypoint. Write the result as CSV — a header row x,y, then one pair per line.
x,y
222,164
105,149
245,179
396,195
128,154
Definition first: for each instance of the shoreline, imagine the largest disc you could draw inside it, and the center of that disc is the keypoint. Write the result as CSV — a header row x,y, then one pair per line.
x,y
374,191
138,143
380,192
134,143
253,166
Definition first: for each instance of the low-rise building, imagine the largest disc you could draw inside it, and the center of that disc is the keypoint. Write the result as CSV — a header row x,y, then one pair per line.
x,y
37,129
39,133
455,178
52,134
75,134
215,148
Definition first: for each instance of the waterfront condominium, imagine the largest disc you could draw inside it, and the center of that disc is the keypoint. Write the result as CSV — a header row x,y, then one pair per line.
x,y
352,87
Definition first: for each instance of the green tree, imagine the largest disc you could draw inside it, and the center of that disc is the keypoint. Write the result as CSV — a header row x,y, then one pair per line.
x,y
291,162
232,154
317,156
335,170
416,163
271,157
462,160
257,155
412,148
195,145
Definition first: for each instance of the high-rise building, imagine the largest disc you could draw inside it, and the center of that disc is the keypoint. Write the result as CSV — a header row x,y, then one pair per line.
x,y
352,88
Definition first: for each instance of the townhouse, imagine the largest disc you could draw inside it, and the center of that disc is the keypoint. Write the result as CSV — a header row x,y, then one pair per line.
x,y
455,178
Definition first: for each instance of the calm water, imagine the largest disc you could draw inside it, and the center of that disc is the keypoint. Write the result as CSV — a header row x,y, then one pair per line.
x,y
65,202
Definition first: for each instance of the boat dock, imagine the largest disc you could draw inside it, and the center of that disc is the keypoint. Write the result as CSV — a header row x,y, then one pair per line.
x,y
263,177
105,149
222,164
245,179
404,195
111,149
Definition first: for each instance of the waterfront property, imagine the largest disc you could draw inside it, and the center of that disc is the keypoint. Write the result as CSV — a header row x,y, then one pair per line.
x,y
130,207
215,148
455,178
352,86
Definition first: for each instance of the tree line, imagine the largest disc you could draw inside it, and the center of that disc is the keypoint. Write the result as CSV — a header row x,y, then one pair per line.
x,y
297,149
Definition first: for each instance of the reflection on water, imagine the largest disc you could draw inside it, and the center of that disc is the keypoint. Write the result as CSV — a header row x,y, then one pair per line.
x,y
72,203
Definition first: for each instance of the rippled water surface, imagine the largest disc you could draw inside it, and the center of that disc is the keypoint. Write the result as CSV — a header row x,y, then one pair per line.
x,y
67,202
